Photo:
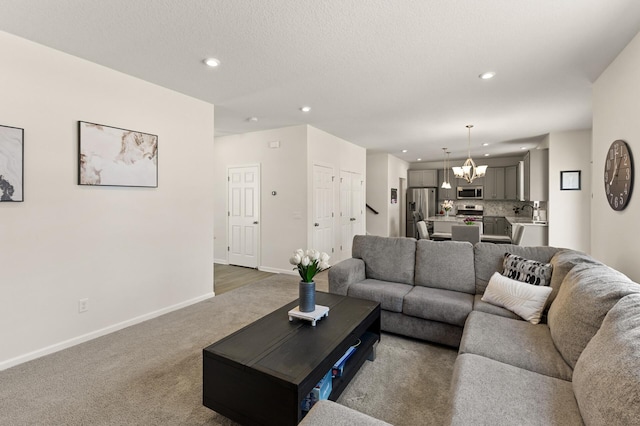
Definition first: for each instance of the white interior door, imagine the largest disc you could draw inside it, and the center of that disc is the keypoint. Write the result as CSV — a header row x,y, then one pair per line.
x,y
351,210
244,215
323,208
357,205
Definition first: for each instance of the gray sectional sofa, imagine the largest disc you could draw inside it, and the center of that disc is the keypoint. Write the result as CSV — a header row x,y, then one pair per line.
x,y
580,365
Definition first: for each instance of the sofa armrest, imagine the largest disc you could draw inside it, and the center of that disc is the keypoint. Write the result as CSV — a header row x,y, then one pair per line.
x,y
345,273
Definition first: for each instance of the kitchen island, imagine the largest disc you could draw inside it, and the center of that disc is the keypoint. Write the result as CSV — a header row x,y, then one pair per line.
x,y
443,224
536,233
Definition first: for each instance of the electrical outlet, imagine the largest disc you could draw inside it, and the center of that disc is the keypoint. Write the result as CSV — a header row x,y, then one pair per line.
x,y
83,305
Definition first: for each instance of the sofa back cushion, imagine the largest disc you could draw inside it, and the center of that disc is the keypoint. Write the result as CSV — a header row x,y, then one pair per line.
x,y
606,380
386,258
445,264
587,293
489,258
563,261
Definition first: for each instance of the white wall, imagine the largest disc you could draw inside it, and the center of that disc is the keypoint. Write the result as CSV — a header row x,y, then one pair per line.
x,y
133,252
283,221
378,194
397,169
383,173
569,212
616,108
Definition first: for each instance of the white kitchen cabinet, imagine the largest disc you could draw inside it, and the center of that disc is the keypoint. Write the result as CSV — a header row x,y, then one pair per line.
x,y
423,178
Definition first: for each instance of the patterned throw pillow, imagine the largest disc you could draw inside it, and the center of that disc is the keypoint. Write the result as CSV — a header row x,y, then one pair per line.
x,y
525,270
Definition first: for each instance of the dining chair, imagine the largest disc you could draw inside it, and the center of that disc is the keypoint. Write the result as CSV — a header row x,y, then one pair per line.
x,y
469,233
518,233
423,232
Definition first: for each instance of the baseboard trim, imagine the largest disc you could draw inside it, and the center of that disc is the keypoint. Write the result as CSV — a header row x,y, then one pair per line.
x,y
98,333
277,270
221,261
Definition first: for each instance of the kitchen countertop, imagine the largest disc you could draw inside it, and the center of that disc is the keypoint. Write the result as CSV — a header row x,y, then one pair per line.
x,y
525,221
448,219
511,219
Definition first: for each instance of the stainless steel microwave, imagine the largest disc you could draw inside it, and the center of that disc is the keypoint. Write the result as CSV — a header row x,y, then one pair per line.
x,y
470,192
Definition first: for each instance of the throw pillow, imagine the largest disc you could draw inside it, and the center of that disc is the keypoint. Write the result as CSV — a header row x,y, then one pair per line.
x,y
525,270
523,299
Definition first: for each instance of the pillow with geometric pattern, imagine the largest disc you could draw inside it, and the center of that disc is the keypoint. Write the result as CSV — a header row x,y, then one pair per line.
x,y
527,271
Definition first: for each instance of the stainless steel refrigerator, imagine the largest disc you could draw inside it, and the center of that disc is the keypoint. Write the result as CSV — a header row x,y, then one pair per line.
x,y
421,204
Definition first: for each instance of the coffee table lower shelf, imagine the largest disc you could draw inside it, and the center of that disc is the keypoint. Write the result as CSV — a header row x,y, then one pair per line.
x,y
261,374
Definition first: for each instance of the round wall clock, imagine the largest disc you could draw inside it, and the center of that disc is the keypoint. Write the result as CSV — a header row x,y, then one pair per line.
x,y
618,175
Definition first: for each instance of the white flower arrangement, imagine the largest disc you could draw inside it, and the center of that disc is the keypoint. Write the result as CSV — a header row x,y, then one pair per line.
x,y
309,263
447,205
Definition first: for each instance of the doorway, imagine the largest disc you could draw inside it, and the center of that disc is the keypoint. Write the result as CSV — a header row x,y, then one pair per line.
x,y
323,208
244,215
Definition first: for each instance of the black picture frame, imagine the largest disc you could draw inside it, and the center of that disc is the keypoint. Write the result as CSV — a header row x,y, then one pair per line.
x,y
11,164
570,180
112,156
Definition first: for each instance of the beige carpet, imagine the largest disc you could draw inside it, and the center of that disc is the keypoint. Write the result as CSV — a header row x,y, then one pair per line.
x,y
151,373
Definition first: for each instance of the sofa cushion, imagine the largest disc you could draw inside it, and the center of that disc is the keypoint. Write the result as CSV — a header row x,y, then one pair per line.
x,y
345,273
489,308
329,413
385,258
528,271
513,342
606,380
389,294
488,392
524,299
586,295
563,261
445,264
489,258
451,307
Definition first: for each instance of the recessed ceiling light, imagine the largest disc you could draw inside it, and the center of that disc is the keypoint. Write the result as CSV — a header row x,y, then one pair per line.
x,y
419,159
523,147
487,75
252,119
485,144
212,62
486,155
404,150
305,109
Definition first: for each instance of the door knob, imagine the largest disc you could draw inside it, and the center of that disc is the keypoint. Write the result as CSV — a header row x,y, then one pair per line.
x,y
352,219
255,222
316,224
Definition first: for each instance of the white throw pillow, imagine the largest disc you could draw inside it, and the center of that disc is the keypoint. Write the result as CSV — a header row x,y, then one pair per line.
x,y
523,299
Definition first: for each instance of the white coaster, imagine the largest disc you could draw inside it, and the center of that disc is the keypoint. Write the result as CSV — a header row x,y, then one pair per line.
x,y
313,316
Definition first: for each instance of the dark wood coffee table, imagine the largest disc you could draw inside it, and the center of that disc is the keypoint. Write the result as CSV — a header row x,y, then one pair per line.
x,y
260,374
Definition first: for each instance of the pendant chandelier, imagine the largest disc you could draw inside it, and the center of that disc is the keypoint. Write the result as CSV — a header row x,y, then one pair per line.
x,y
445,171
469,171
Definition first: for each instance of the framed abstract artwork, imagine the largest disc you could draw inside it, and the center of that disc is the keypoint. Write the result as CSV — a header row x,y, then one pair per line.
x,y
11,163
110,156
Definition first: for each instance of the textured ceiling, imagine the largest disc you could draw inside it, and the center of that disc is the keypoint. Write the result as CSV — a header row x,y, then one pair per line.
x,y
386,75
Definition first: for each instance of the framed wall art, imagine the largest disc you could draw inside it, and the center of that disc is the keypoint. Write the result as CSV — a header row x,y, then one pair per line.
x,y
11,163
110,156
570,180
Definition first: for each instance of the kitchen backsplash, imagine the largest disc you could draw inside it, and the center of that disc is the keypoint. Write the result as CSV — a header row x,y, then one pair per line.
x,y
498,208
